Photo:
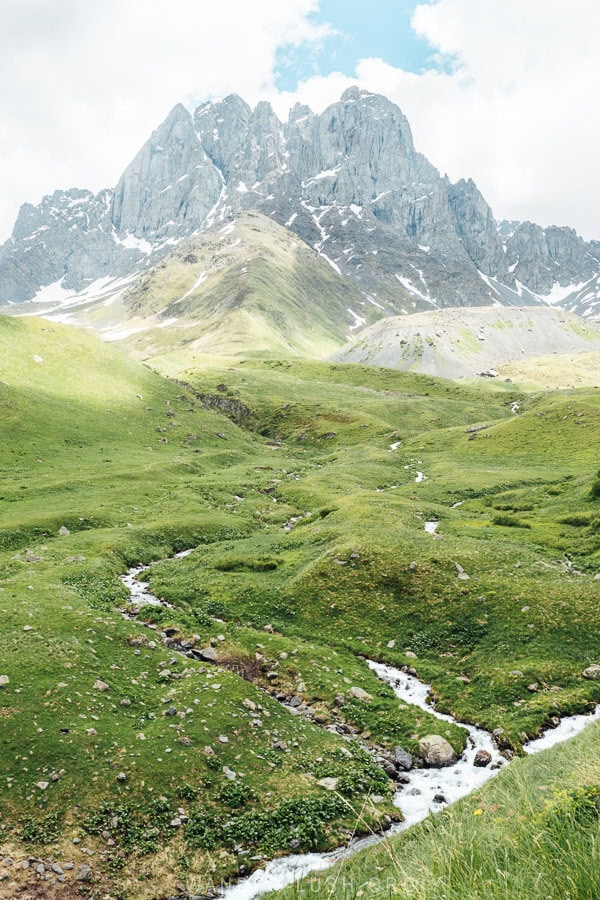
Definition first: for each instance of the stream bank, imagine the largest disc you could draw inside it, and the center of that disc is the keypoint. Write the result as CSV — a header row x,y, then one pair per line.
x,y
423,791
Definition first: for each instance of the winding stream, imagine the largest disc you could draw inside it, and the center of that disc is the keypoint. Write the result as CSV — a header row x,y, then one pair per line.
x,y
428,790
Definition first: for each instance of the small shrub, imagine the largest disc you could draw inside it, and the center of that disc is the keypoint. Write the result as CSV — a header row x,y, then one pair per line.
x,y
235,794
595,488
509,522
46,831
577,521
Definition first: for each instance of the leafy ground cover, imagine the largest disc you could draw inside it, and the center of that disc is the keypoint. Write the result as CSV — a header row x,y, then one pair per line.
x,y
298,484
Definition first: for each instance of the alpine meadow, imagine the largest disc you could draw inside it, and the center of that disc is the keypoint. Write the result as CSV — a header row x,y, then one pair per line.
x,y
299,526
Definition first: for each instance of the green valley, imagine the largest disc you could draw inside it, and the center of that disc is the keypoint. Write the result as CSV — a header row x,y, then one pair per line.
x,y
302,489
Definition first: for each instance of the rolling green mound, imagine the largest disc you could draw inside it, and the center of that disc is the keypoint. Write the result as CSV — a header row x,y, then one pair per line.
x,y
303,488
252,288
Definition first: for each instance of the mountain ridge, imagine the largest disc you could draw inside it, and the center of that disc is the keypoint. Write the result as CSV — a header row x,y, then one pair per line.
x,y
348,182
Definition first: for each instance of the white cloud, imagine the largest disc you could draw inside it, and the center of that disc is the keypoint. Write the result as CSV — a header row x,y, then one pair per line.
x,y
512,103
84,84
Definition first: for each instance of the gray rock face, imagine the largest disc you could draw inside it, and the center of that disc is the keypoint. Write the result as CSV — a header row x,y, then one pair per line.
x,y
541,258
349,182
67,239
170,187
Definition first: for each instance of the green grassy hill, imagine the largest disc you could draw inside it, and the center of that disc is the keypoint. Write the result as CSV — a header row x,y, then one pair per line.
x,y
310,554
251,288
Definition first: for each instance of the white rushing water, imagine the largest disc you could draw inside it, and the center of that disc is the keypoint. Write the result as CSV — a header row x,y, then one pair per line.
x,y
140,595
417,799
568,728
432,527
429,789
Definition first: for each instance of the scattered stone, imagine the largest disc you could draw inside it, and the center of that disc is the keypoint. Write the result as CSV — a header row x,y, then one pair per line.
x,y
439,798
28,628
121,777
90,732
461,572
330,784
164,673
40,869
208,654
83,873
482,759
171,711
4,680
410,654
7,861
63,531
176,822
42,785
435,751
592,672
223,739
403,759
100,686
413,565
464,679
184,739
533,688
125,702
269,629
391,645
229,773
357,693
249,704
57,869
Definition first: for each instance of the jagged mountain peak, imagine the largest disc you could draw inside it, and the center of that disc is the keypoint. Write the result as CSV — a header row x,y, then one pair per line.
x,y
349,183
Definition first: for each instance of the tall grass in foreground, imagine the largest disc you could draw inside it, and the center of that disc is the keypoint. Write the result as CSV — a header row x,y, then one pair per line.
x,y
534,832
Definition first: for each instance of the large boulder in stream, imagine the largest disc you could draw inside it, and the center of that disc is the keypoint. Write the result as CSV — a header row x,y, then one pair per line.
x,y
436,752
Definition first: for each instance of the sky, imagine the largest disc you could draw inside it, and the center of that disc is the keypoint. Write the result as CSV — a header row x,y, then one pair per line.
x,y
502,91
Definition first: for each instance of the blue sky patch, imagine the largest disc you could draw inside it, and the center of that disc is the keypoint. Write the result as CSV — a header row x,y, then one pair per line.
x,y
364,28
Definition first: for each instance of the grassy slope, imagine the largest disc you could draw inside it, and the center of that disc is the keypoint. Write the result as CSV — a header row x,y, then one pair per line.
x,y
83,434
83,445
262,294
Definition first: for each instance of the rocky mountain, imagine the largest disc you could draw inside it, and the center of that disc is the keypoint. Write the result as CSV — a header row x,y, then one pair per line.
x,y
463,343
348,183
